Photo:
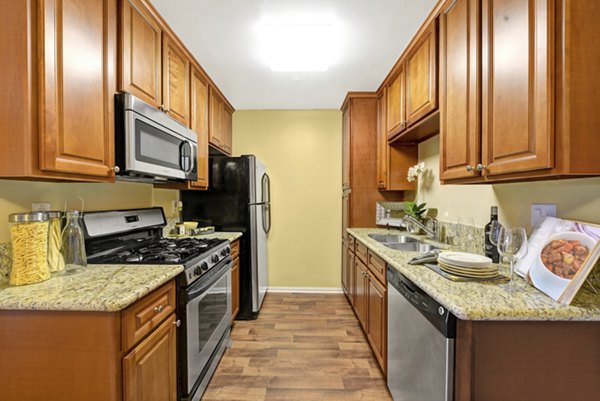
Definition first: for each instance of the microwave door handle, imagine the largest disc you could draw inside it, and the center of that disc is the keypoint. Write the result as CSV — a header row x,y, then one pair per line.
x,y
185,157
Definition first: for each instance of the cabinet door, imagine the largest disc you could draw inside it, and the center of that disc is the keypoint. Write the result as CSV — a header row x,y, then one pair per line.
x,y
141,54
460,84
382,143
235,288
346,148
77,83
377,318
226,128
345,213
215,111
421,76
150,369
351,277
176,84
344,267
360,295
199,123
396,107
517,94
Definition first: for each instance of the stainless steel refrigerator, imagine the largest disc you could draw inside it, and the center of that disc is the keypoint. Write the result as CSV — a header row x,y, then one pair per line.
x,y
238,199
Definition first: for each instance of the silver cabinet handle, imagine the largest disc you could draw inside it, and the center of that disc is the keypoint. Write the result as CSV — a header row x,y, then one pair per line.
x,y
116,169
481,167
161,107
159,309
177,323
469,168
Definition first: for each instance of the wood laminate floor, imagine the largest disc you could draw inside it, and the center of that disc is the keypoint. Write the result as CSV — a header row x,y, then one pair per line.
x,y
302,347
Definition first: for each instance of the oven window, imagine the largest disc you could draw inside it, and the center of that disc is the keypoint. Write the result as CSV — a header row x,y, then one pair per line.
x,y
211,311
155,146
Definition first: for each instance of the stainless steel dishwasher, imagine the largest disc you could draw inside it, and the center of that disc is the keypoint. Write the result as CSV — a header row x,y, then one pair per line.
x,y
421,336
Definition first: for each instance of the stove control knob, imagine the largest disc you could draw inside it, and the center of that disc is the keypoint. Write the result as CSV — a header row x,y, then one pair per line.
x,y
227,251
204,266
223,252
197,271
214,258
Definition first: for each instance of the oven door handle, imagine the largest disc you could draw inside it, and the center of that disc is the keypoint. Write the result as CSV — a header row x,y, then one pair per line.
x,y
196,292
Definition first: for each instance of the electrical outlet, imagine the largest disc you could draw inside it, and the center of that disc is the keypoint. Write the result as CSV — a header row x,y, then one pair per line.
x,y
539,211
41,206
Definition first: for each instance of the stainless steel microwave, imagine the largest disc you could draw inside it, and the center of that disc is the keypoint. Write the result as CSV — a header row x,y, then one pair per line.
x,y
151,146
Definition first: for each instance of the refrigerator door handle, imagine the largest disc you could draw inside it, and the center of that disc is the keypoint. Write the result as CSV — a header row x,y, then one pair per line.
x,y
266,198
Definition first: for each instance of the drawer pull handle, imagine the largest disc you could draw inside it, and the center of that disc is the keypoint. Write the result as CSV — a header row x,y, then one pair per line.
x,y
177,323
159,309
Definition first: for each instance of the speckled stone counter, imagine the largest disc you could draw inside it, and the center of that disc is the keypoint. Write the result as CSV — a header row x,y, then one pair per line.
x,y
232,236
102,288
483,300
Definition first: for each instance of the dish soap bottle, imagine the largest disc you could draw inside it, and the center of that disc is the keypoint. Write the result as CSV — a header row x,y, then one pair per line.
x,y
73,246
491,251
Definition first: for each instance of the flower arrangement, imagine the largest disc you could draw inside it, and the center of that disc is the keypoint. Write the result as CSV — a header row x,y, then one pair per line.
x,y
415,171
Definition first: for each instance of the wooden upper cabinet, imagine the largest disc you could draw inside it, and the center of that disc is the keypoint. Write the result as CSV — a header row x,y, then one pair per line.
x,y
460,83
226,128
77,82
141,53
199,123
517,86
396,103
150,369
216,121
421,76
176,87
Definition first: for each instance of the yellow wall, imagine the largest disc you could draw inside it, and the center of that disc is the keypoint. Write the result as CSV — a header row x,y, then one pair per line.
x,y
17,196
302,151
577,199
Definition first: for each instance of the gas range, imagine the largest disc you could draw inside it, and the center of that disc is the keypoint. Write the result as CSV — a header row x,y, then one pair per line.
x,y
135,237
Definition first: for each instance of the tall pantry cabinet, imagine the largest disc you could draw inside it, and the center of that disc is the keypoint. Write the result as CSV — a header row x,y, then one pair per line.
x,y
359,166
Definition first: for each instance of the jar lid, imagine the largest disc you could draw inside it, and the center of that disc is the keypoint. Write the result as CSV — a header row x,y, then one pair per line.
x,y
54,214
27,217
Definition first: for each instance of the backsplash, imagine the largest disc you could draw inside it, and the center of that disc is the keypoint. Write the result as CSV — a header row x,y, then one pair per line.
x,y
465,237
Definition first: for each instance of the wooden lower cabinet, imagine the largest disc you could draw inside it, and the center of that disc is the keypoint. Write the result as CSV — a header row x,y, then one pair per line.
x,y
235,288
368,296
150,369
235,279
71,355
377,320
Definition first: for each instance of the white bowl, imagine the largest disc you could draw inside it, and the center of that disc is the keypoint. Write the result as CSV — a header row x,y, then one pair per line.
x,y
543,278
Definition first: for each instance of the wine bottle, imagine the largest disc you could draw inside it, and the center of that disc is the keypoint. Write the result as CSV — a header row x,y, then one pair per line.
x,y
491,251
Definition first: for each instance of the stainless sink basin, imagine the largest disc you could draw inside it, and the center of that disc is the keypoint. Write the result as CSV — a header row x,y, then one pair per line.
x,y
412,247
393,239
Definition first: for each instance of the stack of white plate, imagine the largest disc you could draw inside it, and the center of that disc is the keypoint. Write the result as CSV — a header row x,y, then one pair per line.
x,y
467,265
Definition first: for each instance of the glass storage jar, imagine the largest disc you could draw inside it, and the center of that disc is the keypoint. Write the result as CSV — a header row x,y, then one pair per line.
x,y
56,261
73,245
29,236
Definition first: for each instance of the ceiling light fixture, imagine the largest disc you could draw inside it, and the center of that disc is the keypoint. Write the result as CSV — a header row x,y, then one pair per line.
x,y
299,47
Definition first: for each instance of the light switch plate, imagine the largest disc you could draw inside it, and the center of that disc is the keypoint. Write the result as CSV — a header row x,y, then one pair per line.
x,y
539,211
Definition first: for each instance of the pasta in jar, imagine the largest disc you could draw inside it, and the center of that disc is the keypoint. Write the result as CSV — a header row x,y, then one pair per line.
x,y
56,261
29,237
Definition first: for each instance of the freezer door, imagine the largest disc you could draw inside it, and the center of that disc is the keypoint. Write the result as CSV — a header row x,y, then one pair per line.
x,y
258,218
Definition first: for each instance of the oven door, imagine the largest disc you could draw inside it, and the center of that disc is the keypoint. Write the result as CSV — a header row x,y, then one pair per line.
x,y
207,318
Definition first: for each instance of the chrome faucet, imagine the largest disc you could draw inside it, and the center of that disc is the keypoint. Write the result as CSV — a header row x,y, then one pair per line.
x,y
432,233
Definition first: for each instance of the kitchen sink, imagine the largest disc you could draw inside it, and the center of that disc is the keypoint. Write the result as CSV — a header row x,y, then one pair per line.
x,y
412,247
393,239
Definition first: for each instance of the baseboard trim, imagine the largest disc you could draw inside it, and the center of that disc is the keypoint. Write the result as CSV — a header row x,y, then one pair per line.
x,y
308,290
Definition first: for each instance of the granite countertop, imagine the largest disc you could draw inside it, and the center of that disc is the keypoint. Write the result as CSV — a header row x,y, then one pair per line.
x,y
100,288
231,236
482,300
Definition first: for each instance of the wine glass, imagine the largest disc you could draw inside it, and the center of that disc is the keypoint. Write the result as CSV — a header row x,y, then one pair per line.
x,y
512,244
466,227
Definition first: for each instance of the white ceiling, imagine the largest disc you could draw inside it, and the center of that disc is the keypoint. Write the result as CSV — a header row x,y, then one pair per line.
x,y
224,37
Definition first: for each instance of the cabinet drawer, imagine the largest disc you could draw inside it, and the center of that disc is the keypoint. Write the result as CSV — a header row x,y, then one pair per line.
x,y
377,266
361,251
235,249
142,317
351,243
